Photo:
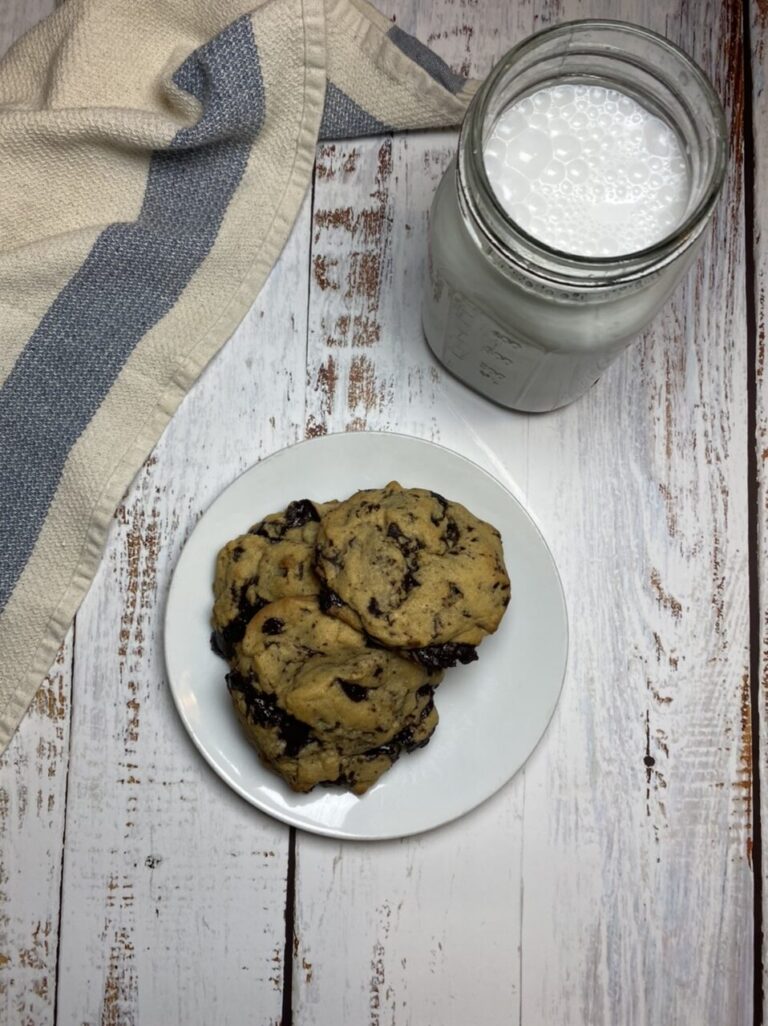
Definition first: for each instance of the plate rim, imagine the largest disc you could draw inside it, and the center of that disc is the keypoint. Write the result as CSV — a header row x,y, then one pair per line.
x,y
288,816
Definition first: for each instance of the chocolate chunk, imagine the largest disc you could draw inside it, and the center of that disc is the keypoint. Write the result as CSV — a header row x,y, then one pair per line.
x,y
216,644
408,546
443,508
374,609
237,682
223,641
237,553
391,749
274,625
402,742
440,657
409,582
354,692
327,599
427,710
264,710
297,514
451,533
272,532
300,513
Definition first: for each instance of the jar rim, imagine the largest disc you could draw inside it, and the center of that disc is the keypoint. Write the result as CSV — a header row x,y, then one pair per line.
x,y
572,267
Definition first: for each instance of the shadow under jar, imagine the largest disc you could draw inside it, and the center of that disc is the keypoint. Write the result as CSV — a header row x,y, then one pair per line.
x,y
530,325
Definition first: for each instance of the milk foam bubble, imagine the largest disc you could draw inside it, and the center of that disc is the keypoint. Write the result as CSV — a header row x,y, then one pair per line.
x,y
588,170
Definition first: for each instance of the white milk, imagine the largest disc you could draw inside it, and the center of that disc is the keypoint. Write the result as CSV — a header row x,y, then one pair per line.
x,y
587,170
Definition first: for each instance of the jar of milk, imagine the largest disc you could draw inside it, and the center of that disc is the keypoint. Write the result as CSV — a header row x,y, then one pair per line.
x,y
588,166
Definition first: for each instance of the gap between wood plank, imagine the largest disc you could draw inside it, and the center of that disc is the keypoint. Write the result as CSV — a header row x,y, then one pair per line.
x,y
752,516
310,247
286,1018
522,907
64,827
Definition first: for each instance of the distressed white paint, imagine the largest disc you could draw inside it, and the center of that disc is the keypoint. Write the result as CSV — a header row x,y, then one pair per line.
x,y
621,891
759,30
593,889
651,480
33,788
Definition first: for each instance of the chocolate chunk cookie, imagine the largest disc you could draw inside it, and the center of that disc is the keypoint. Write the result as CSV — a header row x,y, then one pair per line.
x,y
321,705
272,560
302,759
414,571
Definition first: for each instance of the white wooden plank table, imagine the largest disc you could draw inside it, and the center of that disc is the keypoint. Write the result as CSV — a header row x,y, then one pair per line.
x,y
617,878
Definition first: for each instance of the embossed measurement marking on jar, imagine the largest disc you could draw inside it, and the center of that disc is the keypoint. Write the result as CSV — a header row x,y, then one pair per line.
x,y
587,170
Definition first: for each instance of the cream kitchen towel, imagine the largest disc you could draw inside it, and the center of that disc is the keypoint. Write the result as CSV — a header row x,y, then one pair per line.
x,y
153,158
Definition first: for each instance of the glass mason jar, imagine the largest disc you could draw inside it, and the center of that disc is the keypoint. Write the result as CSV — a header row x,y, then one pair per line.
x,y
527,325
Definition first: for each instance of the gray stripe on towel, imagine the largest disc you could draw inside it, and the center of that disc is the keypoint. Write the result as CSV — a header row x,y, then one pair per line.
x,y
131,278
434,66
345,119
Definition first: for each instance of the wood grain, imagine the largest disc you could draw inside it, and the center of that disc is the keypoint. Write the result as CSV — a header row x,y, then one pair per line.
x,y
611,881
33,789
666,668
624,848
759,286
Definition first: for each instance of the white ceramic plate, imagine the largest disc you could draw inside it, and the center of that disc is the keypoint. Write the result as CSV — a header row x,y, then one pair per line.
x,y
492,712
